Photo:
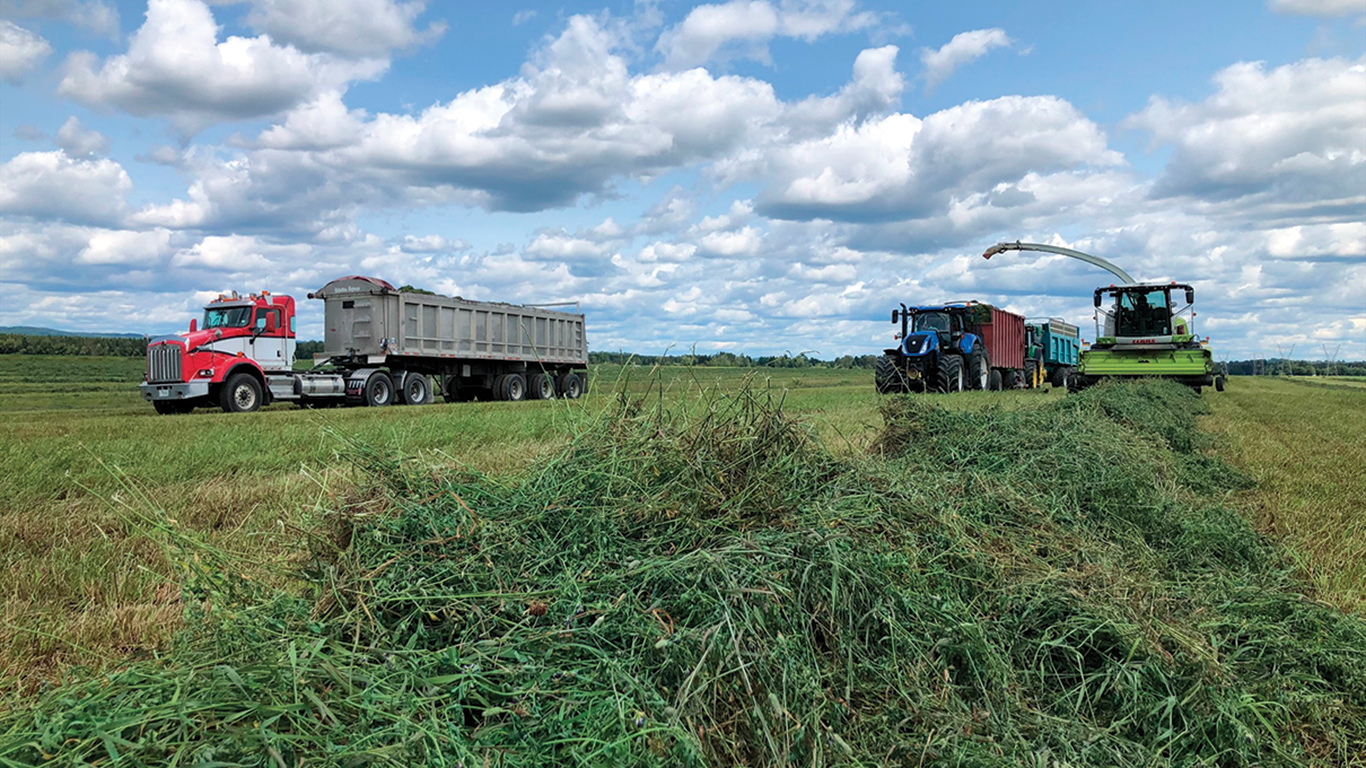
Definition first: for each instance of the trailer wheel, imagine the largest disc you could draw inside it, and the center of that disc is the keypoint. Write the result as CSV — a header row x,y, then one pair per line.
x,y
417,390
241,394
1060,376
541,387
514,387
570,386
994,380
979,369
379,389
1011,379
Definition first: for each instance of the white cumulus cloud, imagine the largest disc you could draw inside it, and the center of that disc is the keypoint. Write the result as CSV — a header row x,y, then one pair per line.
x,y
965,47
743,28
20,51
355,28
176,67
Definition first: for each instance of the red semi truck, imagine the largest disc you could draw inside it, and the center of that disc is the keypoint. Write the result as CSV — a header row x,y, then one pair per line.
x,y
380,346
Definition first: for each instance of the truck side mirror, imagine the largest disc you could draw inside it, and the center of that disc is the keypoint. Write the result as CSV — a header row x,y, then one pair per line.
x,y
194,325
896,315
1097,299
1190,295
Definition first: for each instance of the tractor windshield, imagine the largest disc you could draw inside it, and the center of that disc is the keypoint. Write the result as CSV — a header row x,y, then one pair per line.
x,y
932,321
1143,313
227,317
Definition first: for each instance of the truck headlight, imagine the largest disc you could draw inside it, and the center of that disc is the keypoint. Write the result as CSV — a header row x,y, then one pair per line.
x,y
205,373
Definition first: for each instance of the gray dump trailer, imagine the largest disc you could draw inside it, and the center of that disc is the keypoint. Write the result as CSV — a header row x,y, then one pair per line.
x,y
387,345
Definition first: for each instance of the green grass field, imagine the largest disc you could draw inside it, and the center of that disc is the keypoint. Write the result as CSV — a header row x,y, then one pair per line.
x,y
111,510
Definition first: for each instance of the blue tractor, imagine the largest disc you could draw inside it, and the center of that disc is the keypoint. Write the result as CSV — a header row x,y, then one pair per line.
x,y
938,350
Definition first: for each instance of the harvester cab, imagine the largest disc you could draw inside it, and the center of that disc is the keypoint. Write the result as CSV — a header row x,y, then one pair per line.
x,y
1158,315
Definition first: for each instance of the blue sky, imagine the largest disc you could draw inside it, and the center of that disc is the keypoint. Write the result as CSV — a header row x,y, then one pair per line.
x,y
753,175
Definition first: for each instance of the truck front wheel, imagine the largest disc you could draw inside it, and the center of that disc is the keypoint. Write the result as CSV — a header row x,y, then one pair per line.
x,y
241,394
379,389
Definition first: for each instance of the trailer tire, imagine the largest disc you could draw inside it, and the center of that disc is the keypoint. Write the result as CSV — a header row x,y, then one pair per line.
x,y
417,389
570,386
979,368
1011,379
379,390
240,394
513,387
1059,378
541,387
994,380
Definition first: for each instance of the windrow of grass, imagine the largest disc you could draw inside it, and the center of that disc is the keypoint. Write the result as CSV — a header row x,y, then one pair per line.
x,y
1060,586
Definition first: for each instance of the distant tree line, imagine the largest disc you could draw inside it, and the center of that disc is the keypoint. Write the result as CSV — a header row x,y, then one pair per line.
x,y
1278,366
101,346
733,360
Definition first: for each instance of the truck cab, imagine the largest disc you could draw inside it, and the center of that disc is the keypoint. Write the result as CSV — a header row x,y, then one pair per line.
x,y
241,340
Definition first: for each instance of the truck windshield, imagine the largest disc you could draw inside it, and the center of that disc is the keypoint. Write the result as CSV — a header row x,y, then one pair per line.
x,y
932,321
227,317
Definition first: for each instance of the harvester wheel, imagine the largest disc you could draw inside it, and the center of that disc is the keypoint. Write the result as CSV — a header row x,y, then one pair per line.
x,y
1219,383
994,380
979,369
379,389
241,394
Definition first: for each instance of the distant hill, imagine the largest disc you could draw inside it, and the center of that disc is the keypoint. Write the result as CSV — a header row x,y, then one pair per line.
x,y
29,330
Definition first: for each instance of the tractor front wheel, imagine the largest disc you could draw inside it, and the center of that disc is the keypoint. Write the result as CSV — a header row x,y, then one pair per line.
x,y
887,377
949,374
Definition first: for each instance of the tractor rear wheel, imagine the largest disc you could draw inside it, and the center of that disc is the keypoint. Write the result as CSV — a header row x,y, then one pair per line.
x,y
979,369
1031,374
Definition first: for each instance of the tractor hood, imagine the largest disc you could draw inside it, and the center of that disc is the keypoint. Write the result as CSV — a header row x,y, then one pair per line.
x,y
919,343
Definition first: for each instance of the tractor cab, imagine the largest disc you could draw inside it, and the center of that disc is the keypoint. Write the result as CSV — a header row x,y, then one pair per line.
x,y
945,323
1154,316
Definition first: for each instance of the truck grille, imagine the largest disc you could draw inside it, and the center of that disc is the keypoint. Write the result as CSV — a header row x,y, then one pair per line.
x,y
163,363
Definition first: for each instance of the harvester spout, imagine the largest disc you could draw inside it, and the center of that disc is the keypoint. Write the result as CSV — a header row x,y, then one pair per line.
x,y
1086,257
